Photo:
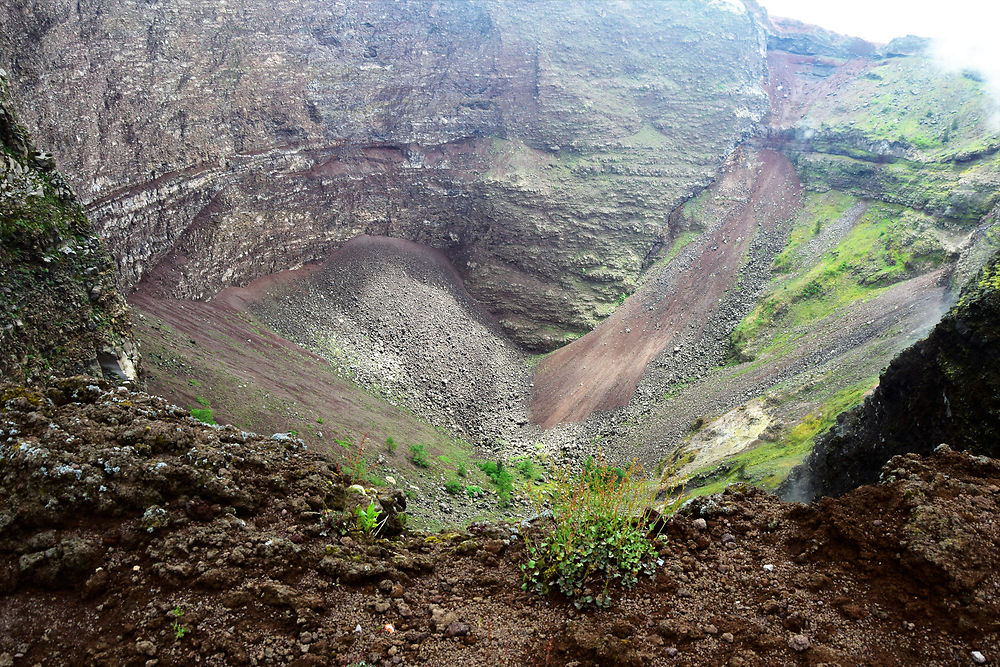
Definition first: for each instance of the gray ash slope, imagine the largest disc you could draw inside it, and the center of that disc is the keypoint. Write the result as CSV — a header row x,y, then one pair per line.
x,y
394,317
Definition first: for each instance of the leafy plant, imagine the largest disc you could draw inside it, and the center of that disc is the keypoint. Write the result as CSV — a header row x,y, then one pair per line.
x,y
179,630
418,455
599,535
367,518
473,491
500,477
453,486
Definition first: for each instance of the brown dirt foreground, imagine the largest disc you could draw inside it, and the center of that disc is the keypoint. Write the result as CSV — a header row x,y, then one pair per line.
x,y
117,509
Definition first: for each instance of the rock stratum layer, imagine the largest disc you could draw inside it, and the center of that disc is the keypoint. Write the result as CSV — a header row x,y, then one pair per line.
x,y
540,145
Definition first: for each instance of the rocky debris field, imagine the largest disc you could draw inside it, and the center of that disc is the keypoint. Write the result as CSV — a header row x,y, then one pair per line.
x,y
394,317
130,534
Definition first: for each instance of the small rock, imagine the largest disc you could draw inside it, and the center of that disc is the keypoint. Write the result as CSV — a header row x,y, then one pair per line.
x,y
700,524
799,643
711,629
769,568
456,629
977,657
385,585
145,647
671,652
382,607
728,637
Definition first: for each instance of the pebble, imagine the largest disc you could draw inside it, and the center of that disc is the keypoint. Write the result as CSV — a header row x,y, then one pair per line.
x,y
671,652
700,524
799,643
978,658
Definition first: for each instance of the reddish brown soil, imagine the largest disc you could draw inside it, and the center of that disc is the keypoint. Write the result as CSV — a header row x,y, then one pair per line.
x,y
897,574
600,371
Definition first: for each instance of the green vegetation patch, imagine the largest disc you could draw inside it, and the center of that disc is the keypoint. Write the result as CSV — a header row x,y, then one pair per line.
x,y
204,415
888,244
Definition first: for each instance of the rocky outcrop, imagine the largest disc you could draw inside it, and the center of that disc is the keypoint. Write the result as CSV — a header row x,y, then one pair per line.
x,y
59,307
944,389
540,145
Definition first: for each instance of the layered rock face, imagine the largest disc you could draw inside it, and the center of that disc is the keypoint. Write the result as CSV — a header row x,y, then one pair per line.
x,y
59,309
540,145
944,389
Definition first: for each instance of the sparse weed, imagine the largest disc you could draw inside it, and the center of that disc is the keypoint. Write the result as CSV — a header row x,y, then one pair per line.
x,y
391,445
179,630
357,465
528,468
418,455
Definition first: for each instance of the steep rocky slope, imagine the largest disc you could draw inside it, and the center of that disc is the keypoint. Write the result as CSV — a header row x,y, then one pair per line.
x,y
945,388
147,536
60,310
540,145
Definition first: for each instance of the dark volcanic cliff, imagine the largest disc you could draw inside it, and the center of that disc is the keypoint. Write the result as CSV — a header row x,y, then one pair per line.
x,y
944,389
59,307
540,145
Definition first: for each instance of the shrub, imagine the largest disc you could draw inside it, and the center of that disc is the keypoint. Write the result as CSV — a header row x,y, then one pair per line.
x,y
599,534
453,486
390,444
527,468
461,472
500,477
473,491
204,415
418,454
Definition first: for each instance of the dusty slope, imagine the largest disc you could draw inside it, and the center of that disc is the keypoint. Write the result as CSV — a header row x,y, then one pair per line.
x,y
601,370
143,512
218,358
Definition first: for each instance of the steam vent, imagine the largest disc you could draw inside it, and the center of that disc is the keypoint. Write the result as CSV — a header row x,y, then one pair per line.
x,y
498,332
